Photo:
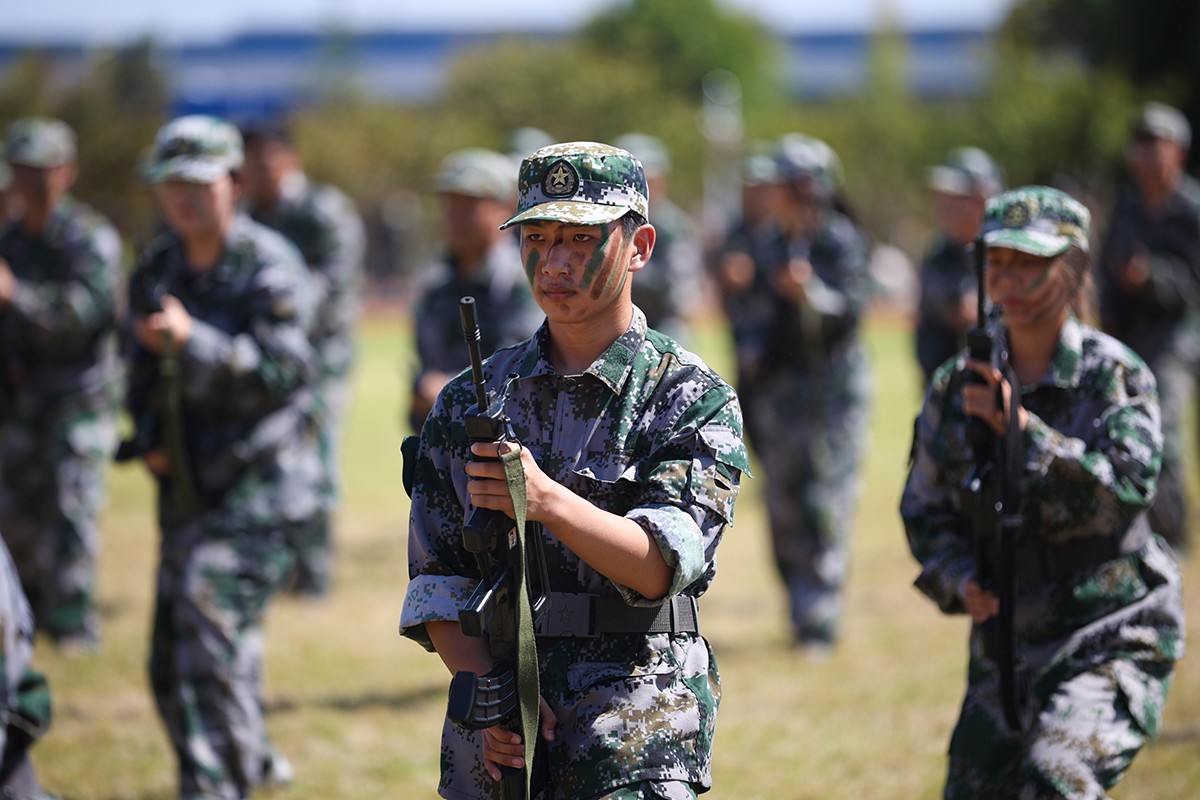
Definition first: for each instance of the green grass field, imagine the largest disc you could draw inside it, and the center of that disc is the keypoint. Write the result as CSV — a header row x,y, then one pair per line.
x,y
358,709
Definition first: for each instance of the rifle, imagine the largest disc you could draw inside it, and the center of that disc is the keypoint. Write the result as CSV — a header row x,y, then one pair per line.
x,y
147,289
992,493
513,594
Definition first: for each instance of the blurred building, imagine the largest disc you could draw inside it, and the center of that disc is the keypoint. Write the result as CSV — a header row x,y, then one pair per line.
x,y
265,72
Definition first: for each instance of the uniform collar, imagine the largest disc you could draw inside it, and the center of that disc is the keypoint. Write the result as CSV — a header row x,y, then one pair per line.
x,y
1066,366
612,368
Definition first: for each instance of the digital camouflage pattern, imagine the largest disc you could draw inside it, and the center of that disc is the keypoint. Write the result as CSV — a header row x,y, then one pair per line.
x,y
1102,640
246,372
808,380
39,142
504,307
584,183
648,432
1160,321
324,225
1037,220
195,148
59,389
947,275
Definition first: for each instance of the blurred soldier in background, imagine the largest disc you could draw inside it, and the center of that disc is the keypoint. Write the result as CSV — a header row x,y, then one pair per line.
x,y
9,204
741,270
221,378
59,385
523,141
960,187
811,389
1148,274
477,189
324,225
669,291
24,693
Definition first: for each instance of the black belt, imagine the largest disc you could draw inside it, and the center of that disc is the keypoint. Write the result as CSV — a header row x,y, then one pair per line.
x,y
1043,563
586,615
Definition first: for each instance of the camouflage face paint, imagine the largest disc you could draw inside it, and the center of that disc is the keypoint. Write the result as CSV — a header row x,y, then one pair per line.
x,y
531,264
604,275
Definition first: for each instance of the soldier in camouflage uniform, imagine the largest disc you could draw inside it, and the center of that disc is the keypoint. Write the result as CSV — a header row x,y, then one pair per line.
x,y
633,454
811,387
59,387
24,694
324,225
946,308
669,291
1148,273
476,188
1098,613
232,443
741,271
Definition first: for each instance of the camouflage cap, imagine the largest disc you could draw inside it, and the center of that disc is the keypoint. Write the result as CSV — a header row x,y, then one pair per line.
x,y
1037,220
476,172
967,171
648,149
759,169
196,148
800,156
1161,121
39,142
584,183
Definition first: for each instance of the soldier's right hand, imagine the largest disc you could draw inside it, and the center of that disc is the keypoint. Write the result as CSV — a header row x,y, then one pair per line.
x,y
503,748
157,462
981,605
8,284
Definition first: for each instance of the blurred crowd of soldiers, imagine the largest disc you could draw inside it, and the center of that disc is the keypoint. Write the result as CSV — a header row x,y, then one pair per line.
x,y
233,344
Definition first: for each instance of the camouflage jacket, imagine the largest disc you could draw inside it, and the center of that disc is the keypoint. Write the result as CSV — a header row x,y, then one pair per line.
x,y
245,376
822,329
16,639
325,227
947,273
58,337
648,432
1150,319
503,304
1092,455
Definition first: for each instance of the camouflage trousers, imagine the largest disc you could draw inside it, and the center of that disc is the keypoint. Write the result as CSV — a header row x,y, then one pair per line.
x,y
313,543
52,490
813,434
1082,741
206,652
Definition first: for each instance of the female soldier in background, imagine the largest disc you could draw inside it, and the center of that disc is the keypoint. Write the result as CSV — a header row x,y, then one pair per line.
x,y
1098,614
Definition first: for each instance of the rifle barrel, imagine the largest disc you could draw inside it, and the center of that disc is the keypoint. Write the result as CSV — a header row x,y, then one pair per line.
x,y
470,326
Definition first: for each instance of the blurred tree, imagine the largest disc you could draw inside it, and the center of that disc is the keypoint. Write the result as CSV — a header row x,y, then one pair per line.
x,y
1157,45
681,41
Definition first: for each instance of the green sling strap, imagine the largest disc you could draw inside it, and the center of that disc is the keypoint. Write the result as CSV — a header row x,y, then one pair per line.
x,y
528,684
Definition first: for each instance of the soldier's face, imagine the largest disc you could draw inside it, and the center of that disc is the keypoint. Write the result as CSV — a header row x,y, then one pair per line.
x,y
197,209
266,165
1030,289
1155,163
40,188
575,270
959,216
472,223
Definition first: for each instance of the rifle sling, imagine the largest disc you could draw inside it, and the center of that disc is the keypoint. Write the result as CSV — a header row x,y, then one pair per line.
x,y
589,615
528,683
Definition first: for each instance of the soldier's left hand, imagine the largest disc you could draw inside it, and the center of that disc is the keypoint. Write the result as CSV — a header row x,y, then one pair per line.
x,y
8,284
792,281
488,488
979,400
174,319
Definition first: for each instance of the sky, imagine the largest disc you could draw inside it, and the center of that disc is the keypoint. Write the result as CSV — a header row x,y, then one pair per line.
x,y
115,21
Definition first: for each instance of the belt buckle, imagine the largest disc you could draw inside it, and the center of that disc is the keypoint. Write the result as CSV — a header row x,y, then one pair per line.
x,y
568,614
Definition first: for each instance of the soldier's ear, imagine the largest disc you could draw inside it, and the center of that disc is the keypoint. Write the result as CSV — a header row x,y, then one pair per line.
x,y
643,245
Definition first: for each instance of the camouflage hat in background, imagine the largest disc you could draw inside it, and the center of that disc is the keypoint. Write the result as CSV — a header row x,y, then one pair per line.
x,y
196,148
759,169
476,172
648,149
967,171
1037,220
799,156
583,183
39,142
1161,121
